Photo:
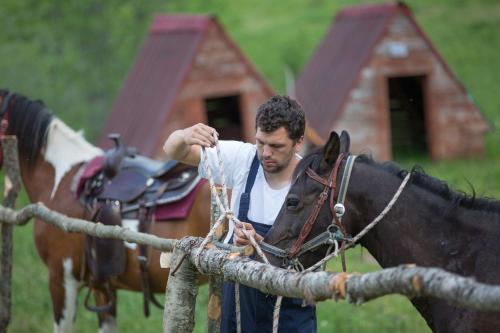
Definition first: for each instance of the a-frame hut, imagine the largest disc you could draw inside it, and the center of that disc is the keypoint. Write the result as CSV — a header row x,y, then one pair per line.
x,y
188,71
379,76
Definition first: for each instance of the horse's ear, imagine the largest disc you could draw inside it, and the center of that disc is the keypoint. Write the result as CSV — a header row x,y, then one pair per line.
x,y
332,148
345,142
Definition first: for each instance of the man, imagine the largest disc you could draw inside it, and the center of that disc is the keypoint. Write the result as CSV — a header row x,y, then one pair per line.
x,y
259,176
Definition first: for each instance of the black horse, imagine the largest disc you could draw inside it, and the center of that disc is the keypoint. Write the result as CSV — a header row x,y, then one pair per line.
x,y
430,225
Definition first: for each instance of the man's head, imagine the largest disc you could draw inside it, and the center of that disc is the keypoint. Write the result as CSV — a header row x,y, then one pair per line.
x,y
281,111
280,125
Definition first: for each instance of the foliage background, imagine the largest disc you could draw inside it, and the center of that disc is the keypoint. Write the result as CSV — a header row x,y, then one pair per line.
x,y
75,55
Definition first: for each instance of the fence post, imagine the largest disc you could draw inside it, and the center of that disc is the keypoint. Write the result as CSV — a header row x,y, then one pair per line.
x,y
215,282
180,295
12,185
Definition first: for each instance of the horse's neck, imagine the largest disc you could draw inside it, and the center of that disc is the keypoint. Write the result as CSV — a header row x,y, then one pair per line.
x,y
419,229
64,151
429,231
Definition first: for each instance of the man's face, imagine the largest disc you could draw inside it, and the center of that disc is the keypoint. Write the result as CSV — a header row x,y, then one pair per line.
x,y
275,150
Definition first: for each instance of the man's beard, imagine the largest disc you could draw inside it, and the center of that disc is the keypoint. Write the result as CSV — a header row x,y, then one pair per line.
x,y
278,167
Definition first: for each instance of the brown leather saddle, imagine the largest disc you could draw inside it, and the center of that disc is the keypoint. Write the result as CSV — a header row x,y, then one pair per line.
x,y
128,186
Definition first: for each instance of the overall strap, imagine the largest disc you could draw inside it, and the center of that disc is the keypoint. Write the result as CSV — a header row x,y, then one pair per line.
x,y
245,197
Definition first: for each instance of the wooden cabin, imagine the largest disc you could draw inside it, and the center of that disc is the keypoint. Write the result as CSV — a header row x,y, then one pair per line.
x,y
378,75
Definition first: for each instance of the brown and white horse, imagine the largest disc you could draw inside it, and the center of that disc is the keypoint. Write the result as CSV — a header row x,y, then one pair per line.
x,y
50,154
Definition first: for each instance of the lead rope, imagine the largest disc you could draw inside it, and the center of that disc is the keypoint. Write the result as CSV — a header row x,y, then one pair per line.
x,y
224,208
369,227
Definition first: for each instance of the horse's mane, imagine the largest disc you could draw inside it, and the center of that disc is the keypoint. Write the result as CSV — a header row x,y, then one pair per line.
x,y
436,186
418,178
29,121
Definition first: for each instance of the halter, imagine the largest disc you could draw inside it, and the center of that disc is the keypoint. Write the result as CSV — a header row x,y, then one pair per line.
x,y
336,231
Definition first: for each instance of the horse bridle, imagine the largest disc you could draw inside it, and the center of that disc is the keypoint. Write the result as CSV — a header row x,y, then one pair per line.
x,y
336,231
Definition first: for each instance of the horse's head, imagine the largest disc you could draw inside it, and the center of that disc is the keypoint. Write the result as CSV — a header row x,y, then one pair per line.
x,y
307,211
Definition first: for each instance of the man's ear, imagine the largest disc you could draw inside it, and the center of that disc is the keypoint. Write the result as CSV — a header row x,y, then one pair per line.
x,y
332,148
345,142
298,144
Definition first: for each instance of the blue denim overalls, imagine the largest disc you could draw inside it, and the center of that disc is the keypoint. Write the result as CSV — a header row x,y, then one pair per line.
x,y
256,307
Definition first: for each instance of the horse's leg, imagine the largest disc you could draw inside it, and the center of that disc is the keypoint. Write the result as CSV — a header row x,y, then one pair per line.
x,y
63,290
107,319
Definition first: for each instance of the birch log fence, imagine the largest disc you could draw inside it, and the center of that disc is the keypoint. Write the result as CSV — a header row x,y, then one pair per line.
x,y
232,263
181,290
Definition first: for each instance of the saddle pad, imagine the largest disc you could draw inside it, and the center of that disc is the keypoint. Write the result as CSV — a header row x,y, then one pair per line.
x,y
178,210
92,168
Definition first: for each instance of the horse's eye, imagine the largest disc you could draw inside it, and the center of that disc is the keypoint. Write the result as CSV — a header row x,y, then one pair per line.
x,y
292,202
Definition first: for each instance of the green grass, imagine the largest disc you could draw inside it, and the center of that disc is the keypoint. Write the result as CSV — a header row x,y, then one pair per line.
x,y
275,36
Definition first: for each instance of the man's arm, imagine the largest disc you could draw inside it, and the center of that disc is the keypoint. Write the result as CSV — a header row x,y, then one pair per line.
x,y
185,145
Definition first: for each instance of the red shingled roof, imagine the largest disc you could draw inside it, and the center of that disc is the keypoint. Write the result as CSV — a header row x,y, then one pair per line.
x,y
151,88
142,106
325,83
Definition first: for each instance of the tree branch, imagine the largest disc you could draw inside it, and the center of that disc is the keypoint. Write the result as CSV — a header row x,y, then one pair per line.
x,y
355,288
70,224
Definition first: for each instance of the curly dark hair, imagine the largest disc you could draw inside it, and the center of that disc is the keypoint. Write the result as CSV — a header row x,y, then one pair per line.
x,y
281,111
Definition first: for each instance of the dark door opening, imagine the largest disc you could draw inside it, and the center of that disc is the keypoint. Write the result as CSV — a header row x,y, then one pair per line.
x,y
223,114
406,106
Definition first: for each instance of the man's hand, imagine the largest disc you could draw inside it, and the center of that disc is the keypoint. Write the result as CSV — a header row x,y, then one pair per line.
x,y
184,145
240,239
199,134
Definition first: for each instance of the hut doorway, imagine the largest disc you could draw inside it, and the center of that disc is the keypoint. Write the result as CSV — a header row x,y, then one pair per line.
x,y
224,114
407,115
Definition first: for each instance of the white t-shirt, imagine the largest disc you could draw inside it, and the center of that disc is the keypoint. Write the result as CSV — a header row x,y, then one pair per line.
x,y
265,202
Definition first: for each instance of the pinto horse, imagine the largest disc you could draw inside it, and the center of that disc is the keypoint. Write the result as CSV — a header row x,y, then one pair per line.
x,y
50,154
429,225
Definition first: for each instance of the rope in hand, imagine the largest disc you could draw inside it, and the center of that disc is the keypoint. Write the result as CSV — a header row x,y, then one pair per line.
x,y
226,213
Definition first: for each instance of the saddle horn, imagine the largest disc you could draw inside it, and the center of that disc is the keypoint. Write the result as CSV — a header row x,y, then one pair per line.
x,y
114,157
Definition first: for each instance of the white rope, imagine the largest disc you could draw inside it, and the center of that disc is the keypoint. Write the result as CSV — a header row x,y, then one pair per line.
x,y
383,213
276,313
323,261
226,213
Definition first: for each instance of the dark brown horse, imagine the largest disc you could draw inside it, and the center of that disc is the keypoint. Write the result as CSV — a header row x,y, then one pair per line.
x,y
430,225
50,155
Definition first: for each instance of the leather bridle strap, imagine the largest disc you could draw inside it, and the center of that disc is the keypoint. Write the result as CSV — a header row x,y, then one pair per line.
x,y
328,184
344,184
340,201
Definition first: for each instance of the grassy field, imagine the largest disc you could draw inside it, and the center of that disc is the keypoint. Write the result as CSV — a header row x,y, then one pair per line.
x,y
464,31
